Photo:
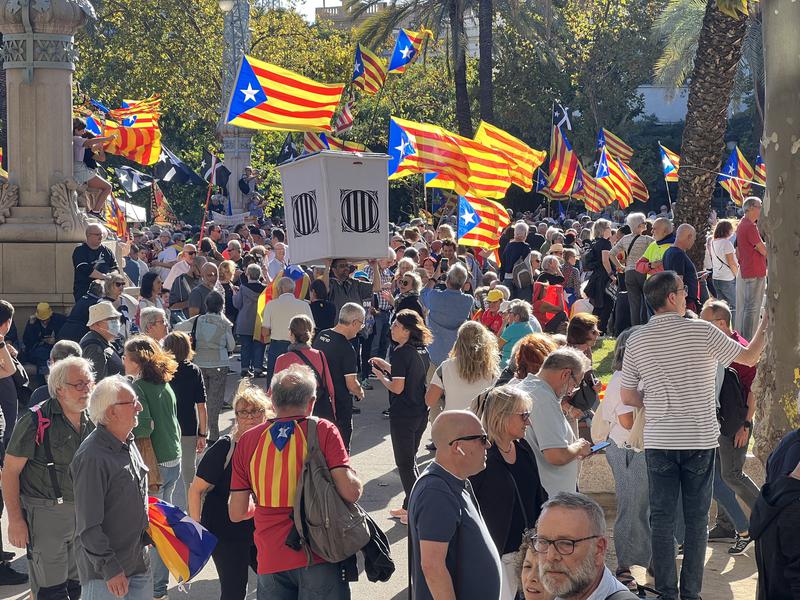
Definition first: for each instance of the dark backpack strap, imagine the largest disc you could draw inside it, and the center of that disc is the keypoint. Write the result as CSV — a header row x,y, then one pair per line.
x,y
320,380
193,335
38,419
630,246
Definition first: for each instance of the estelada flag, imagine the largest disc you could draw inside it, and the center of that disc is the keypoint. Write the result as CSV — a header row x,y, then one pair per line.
x,y
276,464
115,218
301,284
266,96
182,543
139,143
369,70
407,48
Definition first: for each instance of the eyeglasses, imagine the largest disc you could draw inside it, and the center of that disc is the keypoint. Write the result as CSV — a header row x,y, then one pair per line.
x,y
125,403
563,547
525,415
404,282
250,413
575,379
469,438
119,283
81,386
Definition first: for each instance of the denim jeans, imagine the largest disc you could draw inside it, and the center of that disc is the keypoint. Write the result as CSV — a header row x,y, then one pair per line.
x,y
139,588
749,298
726,501
276,348
691,474
170,477
252,353
632,526
726,290
319,582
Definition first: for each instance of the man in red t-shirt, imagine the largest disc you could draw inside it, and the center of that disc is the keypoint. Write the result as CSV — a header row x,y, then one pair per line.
x,y
491,317
267,464
752,280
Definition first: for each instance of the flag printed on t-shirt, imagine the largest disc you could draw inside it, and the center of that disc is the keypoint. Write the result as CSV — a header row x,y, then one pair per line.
x,y
277,463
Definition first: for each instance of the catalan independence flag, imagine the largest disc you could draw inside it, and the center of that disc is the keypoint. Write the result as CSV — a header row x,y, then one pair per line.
x,y
301,284
140,142
615,145
267,96
639,190
406,48
277,463
489,170
480,222
523,159
115,218
760,171
182,543
563,162
369,71
424,148
736,176
595,196
670,163
315,142
543,187
610,174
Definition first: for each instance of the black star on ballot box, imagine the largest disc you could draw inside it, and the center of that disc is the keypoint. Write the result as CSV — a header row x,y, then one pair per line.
x,y
336,205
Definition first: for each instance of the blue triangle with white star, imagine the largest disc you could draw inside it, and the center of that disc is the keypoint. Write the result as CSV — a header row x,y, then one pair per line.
x,y
468,219
358,64
602,166
403,53
731,167
247,92
400,146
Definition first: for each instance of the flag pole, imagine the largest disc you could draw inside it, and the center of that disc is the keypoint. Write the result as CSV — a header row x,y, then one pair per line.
x,y
208,196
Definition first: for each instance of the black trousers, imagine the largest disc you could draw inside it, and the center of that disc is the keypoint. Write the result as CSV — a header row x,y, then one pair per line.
x,y
232,559
406,434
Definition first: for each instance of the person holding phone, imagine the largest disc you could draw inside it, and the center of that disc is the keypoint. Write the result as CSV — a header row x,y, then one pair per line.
x,y
405,379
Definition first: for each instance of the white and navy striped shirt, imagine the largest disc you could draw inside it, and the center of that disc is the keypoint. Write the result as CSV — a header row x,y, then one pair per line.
x,y
676,361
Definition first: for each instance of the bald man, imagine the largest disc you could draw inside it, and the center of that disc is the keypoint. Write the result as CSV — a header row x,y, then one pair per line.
x,y
676,259
197,298
91,260
448,535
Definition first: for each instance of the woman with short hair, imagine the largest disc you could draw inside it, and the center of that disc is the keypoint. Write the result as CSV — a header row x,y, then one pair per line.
x,y
508,490
409,284
625,254
515,250
598,261
227,270
530,581
519,322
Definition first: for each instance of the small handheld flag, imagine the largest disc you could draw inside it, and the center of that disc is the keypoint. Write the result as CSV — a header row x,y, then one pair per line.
x,y
481,221
610,174
344,122
670,163
760,174
736,176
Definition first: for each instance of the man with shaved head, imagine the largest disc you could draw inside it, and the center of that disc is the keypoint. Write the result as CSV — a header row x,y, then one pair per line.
x,y
676,259
448,536
91,260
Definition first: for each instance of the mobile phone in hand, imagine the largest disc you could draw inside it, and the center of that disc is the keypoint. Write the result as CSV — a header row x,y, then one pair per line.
x,y
597,447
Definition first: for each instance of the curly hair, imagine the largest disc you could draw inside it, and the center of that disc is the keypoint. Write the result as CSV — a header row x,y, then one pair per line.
x,y
530,352
475,352
156,365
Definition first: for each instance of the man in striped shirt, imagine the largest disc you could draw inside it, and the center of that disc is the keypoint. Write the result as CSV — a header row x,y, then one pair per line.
x,y
674,362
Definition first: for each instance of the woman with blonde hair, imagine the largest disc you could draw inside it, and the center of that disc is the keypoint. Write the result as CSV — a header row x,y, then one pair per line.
x,y
473,365
235,550
410,284
508,490
152,369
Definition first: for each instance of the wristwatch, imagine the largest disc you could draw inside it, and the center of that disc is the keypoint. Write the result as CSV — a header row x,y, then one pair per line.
x,y
202,435
748,424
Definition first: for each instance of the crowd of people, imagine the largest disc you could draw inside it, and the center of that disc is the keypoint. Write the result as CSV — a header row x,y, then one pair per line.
x,y
494,349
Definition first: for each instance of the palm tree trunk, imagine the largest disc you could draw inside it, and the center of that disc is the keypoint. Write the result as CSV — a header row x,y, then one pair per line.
x,y
459,53
485,66
777,384
719,50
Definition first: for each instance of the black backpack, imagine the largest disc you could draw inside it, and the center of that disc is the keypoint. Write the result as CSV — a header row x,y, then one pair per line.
x,y
732,404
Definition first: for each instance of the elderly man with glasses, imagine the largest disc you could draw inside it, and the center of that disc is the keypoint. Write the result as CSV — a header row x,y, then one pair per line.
x,y
91,260
37,488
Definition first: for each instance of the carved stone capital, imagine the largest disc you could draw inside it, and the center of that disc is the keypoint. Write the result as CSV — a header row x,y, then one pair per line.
x,y
9,196
64,202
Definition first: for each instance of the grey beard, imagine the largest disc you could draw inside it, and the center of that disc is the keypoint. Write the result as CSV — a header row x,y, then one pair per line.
x,y
577,581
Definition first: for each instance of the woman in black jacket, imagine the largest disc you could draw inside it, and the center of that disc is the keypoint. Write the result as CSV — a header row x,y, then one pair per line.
x,y
508,490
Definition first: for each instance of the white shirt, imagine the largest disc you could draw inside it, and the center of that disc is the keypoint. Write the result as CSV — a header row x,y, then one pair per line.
x,y
458,394
608,585
168,254
720,248
274,267
611,407
279,313
178,269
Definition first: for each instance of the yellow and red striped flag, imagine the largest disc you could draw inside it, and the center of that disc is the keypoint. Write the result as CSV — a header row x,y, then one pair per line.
x,y
594,195
489,170
523,159
3,172
140,143
480,222
314,142
115,218
670,163
639,190
615,145
276,464
759,175
407,48
736,176
563,163
267,96
610,174
369,71
424,148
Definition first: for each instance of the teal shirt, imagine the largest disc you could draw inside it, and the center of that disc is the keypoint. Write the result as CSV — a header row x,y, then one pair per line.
x,y
158,419
513,333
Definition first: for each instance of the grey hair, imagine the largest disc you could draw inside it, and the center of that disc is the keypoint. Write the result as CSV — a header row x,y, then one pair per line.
x,y
669,226
234,244
58,373
577,501
105,394
750,202
149,316
351,312
294,387
63,349
619,349
567,358
254,272
521,230
635,220
599,227
417,285
720,309
548,260
551,231
285,285
659,286
456,276
521,309
113,278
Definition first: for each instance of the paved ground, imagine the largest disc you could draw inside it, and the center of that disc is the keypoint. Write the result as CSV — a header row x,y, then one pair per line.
x,y
725,578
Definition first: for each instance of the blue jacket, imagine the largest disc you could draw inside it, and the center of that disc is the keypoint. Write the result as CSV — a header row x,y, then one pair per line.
x,y
447,310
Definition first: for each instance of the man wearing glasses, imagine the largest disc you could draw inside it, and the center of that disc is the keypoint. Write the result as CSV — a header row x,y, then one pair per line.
x,y
91,260
183,266
571,542
452,553
556,447
37,488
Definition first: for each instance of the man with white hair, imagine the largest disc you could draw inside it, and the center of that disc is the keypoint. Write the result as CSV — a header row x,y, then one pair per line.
x,y
278,262
91,260
752,278
275,320
37,488
515,250
182,266
448,309
110,483
153,323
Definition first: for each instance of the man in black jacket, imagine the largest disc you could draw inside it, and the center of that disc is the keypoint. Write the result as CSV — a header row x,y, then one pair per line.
x,y
91,260
97,345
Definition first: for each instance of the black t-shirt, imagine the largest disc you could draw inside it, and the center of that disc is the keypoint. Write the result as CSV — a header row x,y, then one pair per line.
x,y
677,260
550,278
215,517
189,390
410,362
85,260
527,485
324,313
342,360
535,240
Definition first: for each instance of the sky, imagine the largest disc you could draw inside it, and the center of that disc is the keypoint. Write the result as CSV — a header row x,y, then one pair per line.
x,y
308,6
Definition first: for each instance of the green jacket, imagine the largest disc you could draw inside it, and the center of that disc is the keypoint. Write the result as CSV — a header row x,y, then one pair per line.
x,y
158,419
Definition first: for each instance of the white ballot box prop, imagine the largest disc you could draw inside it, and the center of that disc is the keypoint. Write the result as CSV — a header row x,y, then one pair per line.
x,y
336,205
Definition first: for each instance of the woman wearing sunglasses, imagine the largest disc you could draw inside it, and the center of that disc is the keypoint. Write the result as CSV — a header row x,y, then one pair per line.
x,y
509,491
409,284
